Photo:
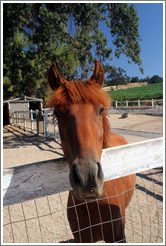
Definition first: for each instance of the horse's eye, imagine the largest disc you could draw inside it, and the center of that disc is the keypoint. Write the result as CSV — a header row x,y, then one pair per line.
x,y
101,111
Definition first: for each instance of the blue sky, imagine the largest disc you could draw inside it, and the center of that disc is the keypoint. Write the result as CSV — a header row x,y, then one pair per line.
x,y
151,33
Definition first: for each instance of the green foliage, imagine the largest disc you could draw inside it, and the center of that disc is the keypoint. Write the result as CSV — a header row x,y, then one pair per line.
x,y
155,79
116,76
36,34
135,79
144,92
124,24
146,79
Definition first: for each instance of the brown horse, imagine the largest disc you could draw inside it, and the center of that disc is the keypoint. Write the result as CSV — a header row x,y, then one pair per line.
x,y
95,209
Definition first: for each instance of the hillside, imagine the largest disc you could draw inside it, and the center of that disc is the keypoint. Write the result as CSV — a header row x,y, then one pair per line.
x,y
145,92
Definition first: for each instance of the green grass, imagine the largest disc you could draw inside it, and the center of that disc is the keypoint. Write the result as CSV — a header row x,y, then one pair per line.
x,y
145,92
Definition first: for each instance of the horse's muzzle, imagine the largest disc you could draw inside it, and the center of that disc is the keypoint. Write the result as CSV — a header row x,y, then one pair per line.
x,y
87,178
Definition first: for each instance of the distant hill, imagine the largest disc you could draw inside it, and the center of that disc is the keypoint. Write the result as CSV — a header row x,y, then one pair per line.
x,y
129,85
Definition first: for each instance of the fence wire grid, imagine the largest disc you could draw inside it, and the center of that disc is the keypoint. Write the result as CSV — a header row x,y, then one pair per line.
x,y
44,220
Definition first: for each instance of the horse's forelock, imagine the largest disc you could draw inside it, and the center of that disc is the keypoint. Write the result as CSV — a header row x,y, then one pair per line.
x,y
78,92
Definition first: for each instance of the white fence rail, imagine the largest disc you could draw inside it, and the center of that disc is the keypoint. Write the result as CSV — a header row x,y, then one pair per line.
x,y
41,179
152,103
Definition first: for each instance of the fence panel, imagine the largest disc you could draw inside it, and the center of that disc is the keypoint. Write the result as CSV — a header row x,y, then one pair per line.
x,y
50,123
35,196
44,220
29,120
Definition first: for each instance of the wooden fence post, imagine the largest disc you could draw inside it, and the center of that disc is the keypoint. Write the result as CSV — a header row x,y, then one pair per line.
x,y
139,103
152,103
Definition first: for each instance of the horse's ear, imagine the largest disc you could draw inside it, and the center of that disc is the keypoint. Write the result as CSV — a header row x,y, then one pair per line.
x,y
98,73
54,78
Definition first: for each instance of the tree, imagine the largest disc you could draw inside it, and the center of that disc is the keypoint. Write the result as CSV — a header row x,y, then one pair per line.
x,y
116,76
146,79
135,79
155,79
36,34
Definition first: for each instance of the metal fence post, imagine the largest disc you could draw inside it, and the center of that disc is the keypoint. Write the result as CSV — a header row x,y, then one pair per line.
x,y
13,118
16,118
46,122
54,128
24,121
37,121
31,117
19,119
43,122
56,133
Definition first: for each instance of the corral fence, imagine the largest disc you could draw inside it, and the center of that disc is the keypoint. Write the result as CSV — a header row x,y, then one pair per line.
x,y
50,123
46,124
139,103
28,120
35,196
149,107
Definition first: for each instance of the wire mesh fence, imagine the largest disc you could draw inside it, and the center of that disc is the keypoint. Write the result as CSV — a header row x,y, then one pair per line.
x,y
144,217
44,220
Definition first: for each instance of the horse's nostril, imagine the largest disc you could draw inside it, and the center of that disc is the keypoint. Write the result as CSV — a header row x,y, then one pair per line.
x,y
100,174
76,179
87,180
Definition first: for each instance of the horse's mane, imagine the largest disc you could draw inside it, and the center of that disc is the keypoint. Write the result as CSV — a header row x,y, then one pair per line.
x,y
78,92
82,92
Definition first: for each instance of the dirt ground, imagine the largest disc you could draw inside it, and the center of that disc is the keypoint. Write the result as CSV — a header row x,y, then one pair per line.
x,y
44,220
137,122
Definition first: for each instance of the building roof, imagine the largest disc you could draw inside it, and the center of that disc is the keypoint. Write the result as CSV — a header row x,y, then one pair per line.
x,y
25,100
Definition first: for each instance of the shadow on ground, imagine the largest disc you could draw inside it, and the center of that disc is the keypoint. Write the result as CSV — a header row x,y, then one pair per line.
x,y
14,137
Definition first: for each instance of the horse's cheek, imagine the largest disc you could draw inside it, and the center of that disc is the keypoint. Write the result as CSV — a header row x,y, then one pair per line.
x,y
99,139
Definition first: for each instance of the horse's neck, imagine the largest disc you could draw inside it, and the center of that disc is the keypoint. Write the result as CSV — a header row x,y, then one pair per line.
x,y
111,139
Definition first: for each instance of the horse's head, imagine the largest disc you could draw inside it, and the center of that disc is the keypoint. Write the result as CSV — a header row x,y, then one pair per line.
x,y
80,109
